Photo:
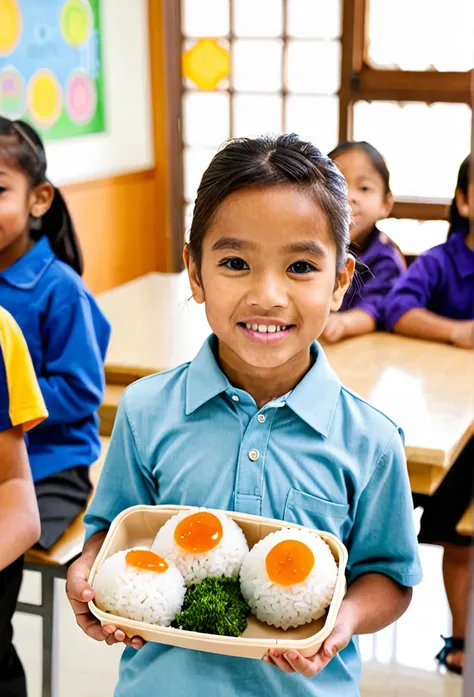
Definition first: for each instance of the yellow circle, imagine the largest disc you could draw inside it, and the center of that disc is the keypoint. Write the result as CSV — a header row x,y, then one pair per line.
x,y
44,98
76,22
10,25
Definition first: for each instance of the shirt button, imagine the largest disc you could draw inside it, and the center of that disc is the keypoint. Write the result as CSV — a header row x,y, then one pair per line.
x,y
235,398
254,455
261,418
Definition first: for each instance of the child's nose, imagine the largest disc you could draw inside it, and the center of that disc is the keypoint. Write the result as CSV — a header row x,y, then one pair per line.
x,y
268,291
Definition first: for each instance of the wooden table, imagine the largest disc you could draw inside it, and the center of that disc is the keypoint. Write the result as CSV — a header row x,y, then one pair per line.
x,y
427,388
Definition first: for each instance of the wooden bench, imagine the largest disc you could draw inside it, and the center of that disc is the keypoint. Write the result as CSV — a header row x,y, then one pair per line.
x,y
465,525
108,408
52,565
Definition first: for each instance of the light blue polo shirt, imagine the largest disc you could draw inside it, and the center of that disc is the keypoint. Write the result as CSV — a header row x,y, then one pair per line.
x,y
320,456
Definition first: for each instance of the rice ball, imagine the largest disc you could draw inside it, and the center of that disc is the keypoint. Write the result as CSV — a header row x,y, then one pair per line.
x,y
288,578
139,585
202,543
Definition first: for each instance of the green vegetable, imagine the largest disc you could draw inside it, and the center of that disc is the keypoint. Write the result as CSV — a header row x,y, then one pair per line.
x,y
214,606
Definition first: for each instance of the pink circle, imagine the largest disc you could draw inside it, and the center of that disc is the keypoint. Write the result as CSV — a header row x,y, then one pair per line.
x,y
81,97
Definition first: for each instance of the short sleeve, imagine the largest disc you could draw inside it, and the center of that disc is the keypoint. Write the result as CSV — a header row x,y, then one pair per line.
x,y
125,479
413,290
21,402
385,272
383,538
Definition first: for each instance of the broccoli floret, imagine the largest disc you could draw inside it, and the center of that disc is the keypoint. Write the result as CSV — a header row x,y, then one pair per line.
x,y
214,606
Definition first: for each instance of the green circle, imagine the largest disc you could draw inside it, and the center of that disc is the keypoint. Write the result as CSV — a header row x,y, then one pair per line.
x,y
76,22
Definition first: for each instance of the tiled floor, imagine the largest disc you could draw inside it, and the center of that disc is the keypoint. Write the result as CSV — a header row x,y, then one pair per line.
x,y
398,662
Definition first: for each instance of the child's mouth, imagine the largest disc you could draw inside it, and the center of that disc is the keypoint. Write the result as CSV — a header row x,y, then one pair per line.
x,y
266,333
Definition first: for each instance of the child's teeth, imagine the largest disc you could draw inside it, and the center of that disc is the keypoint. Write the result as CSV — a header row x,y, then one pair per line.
x,y
255,327
249,326
271,328
262,328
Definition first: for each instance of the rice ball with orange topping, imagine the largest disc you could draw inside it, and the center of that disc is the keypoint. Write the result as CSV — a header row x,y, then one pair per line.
x,y
288,578
139,585
202,543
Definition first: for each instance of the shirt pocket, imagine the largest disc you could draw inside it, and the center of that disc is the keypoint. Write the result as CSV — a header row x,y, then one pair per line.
x,y
314,512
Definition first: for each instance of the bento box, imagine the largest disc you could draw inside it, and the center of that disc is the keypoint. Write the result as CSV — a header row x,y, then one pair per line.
x,y
138,526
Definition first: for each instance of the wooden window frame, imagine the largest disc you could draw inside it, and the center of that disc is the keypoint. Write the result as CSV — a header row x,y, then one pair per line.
x,y
361,81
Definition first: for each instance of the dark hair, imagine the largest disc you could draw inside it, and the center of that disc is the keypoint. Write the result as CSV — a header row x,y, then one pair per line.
x,y
372,153
22,146
458,223
269,161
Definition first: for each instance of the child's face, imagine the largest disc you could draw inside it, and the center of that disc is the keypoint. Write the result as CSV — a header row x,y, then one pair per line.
x,y
17,202
268,260
366,190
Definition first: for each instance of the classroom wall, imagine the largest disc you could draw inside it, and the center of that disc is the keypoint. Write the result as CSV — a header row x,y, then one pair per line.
x,y
109,178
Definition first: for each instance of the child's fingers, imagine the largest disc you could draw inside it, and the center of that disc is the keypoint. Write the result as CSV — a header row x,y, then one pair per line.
x,y
307,667
77,586
279,661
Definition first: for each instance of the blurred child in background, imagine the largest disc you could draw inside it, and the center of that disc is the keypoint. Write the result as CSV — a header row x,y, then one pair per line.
x,y
371,200
435,300
21,408
66,333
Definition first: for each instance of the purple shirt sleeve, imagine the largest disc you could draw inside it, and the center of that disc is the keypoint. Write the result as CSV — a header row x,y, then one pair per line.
x,y
385,272
413,290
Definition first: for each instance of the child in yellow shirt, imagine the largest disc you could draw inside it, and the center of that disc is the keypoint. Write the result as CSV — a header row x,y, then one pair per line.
x,y
21,408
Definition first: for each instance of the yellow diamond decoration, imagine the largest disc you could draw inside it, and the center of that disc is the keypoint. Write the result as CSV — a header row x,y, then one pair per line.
x,y
206,64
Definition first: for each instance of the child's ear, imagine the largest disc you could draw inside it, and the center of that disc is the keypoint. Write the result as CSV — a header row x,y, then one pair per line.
x,y
194,276
343,281
462,203
41,199
387,205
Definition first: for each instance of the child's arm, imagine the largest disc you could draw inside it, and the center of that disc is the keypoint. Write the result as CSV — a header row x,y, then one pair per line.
x,y
372,602
342,325
72,382
421,323
19,519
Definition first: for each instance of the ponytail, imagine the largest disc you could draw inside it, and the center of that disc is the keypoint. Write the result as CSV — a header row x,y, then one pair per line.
x,y
458,223
57,226
20,143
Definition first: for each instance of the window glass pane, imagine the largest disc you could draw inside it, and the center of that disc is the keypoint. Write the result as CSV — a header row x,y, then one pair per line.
x,y
438,34
195,163
258,17
256,65
256,114
313,66
424,145
415,236
315,119
205,17
205,118
315,19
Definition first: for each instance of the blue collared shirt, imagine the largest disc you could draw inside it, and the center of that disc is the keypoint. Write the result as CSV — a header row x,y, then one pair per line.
x,y
320,456
67,336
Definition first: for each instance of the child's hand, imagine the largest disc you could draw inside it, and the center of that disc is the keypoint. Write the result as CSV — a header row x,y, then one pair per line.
x,y
335,329
293,662
79,592
462,334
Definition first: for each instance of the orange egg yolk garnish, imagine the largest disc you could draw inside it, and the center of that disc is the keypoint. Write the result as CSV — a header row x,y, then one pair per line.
x,y
199,532
147,561
289,562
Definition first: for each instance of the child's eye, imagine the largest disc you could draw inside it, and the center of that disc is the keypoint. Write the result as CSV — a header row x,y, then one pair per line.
x,y
2,190
364,188
300,267
236,264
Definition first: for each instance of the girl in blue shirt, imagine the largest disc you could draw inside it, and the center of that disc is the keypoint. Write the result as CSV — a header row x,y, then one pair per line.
x,y
259,423
67,336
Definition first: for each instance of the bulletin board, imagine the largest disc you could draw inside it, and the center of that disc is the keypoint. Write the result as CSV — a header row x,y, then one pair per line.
x,y
50,65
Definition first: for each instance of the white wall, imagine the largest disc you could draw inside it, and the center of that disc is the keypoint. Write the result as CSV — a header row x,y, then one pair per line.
x,y
127,144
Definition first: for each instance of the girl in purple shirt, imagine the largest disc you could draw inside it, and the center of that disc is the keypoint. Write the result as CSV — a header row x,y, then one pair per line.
x,y
435,300
371,200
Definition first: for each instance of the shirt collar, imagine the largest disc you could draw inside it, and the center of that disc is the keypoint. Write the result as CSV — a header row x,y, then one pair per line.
x,y
462,256
27,271
205,378
313,400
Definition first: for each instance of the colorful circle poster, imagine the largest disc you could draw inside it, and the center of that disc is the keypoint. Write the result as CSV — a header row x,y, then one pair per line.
x,y
50,65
